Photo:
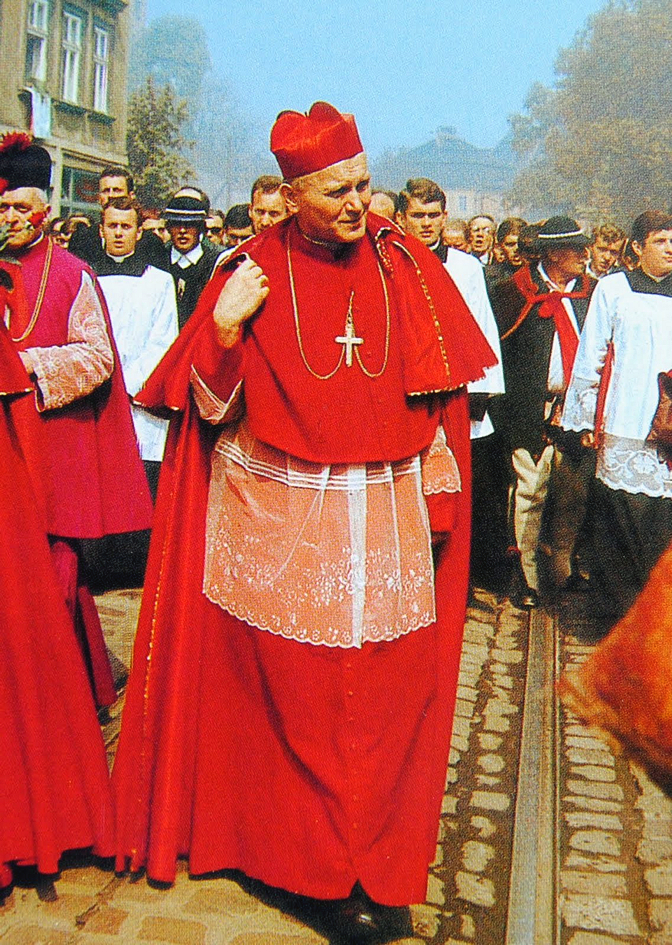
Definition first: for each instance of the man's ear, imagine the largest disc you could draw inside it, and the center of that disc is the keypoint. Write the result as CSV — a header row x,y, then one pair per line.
x,y
289,194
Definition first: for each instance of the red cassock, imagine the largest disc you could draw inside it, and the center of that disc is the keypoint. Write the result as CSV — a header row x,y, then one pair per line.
x,y
307,767
54,786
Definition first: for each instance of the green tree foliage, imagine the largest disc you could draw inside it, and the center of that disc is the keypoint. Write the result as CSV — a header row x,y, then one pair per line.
x,y
156,143
598,143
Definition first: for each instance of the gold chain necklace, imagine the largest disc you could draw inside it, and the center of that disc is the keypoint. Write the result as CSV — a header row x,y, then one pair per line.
x,y
40,295
348,339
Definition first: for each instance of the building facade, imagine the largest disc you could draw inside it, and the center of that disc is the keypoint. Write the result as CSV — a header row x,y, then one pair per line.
x,y
64,79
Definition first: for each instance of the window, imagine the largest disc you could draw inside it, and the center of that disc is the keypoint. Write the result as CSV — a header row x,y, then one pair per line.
x,y
72,56
101,45
36,40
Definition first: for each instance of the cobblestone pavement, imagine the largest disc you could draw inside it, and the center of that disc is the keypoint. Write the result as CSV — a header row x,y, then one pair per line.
x,y
610,873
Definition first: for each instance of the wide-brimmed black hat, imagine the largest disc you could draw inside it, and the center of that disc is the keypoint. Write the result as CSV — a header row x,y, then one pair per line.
x,y
188,210
23,163
561,233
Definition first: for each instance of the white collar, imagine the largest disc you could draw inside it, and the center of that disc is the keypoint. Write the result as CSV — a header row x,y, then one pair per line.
x,y
184,260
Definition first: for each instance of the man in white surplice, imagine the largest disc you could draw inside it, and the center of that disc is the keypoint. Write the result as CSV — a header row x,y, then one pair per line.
x,y
143,312
626,342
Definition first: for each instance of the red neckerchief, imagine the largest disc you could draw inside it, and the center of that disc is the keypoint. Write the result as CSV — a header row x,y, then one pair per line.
x,y
550,306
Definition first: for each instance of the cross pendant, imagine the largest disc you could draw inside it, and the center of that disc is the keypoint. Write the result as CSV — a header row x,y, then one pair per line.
x,y
349,339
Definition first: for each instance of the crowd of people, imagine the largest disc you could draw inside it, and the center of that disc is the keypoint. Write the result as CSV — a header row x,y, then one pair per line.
x,y
321,394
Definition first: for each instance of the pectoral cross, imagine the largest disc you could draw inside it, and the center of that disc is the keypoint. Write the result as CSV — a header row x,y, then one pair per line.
x,y
349,339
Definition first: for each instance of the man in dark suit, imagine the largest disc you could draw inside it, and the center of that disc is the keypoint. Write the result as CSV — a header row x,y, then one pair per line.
x,y
192,260
540,312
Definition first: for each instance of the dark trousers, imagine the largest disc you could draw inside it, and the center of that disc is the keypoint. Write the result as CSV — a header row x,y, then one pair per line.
x,y
629,534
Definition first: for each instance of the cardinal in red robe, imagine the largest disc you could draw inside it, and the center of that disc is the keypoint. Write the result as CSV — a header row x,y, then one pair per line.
x,y
84,451
54,787
290,702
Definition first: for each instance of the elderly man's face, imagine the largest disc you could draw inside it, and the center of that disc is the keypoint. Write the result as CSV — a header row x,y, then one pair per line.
x,y
331,204
25,212
481,234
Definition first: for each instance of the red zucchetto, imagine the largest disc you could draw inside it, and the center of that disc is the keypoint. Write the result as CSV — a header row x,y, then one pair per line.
x,y
303,144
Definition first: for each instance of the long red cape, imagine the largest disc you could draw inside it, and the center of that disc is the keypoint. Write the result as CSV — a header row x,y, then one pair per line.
x,y
306,767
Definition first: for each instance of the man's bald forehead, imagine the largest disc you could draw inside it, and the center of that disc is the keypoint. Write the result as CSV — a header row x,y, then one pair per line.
x,y
353,168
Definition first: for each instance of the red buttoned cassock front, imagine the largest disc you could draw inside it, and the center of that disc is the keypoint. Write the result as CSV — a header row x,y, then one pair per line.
x,y
308,767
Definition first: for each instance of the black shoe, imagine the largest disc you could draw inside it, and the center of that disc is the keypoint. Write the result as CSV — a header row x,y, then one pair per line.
x,y
361,921
525,598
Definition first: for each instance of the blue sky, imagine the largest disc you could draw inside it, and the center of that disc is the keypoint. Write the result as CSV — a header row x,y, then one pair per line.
x,y
404,67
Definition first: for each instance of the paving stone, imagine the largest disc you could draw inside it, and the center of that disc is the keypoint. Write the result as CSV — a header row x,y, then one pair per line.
x,y
653,851
174,931
490,742
277,938
496,723
508,657
660,914
592,803
657,828
475,889
438,857
594,772
426,920
476,856
504,680
484,825
451,776
454,756
35,935
490,800
585,741
106,921
462,727
491,763
589,756
615,916
654,804
449,804
659,880
464,709
435,891
595,841
468,693
459,742
593,884
589,938
221,898
487,780
467,927
578,820
601,864
603,790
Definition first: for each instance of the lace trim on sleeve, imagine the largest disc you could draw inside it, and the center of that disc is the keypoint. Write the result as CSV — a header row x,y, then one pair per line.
x,y
580,405
70,371
440,472
211,407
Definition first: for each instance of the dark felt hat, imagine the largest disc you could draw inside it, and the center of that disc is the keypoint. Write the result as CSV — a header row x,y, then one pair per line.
x,y
23,164
188,210
561,232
